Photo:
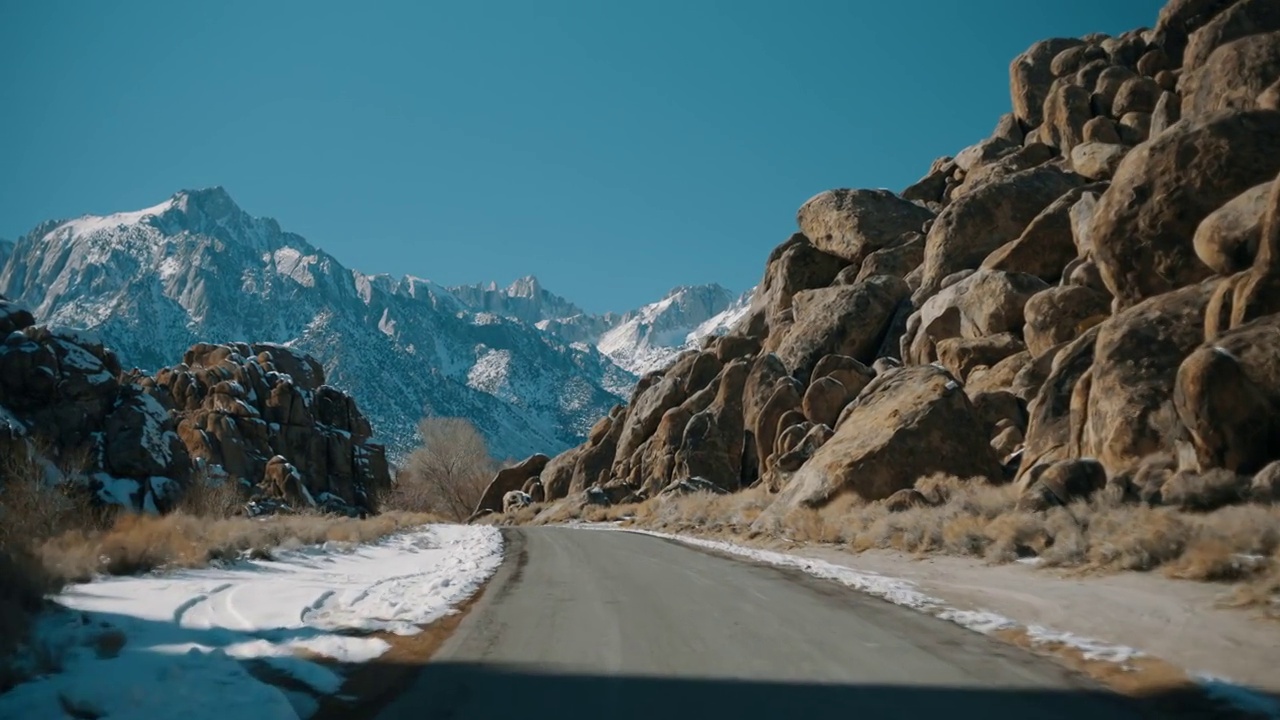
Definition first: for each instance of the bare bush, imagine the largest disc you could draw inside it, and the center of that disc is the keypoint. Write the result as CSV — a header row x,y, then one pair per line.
x,y
447,475
211,497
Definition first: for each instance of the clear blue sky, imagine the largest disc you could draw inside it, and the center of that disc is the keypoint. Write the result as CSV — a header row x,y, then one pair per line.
x,y
613,149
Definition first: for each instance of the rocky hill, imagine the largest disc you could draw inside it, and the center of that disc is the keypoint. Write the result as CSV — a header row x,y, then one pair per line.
x,y
261,416
1085,301
520,362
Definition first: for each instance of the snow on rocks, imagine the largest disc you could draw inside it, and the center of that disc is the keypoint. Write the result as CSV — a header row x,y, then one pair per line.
x,y
191,638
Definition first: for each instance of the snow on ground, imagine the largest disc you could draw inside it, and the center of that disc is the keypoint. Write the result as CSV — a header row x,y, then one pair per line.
x,y
190,634
900,591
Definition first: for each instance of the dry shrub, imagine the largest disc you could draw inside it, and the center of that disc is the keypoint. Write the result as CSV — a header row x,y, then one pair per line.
x,y
447,475
211,497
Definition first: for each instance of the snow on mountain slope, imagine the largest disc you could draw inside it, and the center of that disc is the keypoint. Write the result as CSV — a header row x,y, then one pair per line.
x,y
198,268
639,341
649,338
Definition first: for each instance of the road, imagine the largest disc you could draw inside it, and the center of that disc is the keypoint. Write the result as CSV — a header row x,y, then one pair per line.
x,y
583,623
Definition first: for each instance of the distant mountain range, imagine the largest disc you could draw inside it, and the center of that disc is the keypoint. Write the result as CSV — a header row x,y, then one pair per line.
x,y
528,367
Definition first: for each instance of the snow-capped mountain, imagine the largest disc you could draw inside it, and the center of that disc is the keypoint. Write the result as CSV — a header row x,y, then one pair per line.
x,y
198,268
639,341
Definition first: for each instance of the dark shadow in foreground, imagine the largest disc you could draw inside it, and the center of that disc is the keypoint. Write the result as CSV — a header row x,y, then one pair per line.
x,y
480,692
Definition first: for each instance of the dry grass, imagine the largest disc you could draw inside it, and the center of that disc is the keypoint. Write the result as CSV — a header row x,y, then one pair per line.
x,y
141,543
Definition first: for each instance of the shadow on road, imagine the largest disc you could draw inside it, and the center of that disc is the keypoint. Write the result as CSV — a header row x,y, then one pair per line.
x,y
480,692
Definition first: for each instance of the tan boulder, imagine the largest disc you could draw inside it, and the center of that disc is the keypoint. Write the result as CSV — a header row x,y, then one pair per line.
x,y
1047,245
1101,130
897,259
1237,20
1227,239
1256,292
712,443
1049,426
999,376
1128,410
1096,160
1134,127
982,220
961,355
1061,314
850,373
508,479
1144,223
785,397
823,401
1167,112
766,370
1235,75
1153,62
1137,94
1030,76
1227,393
558,473
793,266
907,424
988,302
904,500
594,464
657,396
1062,482
1178,19
796,453
1265,486
852,224
930,188
848,320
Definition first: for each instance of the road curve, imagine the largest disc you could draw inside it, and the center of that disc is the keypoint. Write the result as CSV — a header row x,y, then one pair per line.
x,y
582,623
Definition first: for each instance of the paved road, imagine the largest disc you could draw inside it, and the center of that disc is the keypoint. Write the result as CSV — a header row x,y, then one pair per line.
x,y
596,624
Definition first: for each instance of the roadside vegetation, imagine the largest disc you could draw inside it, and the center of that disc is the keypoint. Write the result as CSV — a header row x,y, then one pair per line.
x,y
447,474
1236,544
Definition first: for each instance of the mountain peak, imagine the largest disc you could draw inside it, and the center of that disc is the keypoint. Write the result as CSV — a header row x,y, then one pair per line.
x,y
527,287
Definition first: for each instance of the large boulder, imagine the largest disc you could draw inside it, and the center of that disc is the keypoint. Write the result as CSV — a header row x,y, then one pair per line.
x,y
558,473
793,266
1143,226
852,224
1049,427
1241,18
847,319
766,370
1227,394
786,397
1126,407
509,479
897,259
1066,111
1061,482
905,425
594,464
969,229
1227,240
1047,245
961,355
658,395
850,373
987,302
1178,19
1234,75
712,442
823,400
1031,74
1061,314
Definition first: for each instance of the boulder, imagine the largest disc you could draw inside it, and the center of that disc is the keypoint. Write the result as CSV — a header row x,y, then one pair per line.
x,y
852,224
508,479
798,452
515,500
1265,486
13,317
1227,239
907,424
1134,127
1137,94
1062,482
997,377
793,266
848,320
1239,19
282,481
988,302
1256,292
1125,406
1066,111
930,188
961,355
593,465
1227,394
1049,422
1101,130
1233,77
991,215
1097,160
823,401
1030,76
784,398
1143,226
712,442
658,395
1061,314
558,473
533,488
1046,246
1017,160
1178,19
1153,62
904,500
766,370
850,373
898,259
1167,112
1081,214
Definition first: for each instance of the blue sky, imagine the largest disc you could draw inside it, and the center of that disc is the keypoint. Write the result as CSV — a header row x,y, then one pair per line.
x,y
613,149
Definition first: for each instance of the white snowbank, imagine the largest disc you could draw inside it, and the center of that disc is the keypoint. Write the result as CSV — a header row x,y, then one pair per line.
x,y
189,633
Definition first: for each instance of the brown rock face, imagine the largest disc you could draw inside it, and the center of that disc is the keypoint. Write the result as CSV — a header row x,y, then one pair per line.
x,y
1240,19
712,442
824,400
1234,76
999,211
897,259
1227,240
281,480
793,266
907,424
558,473
848,320
1066,111
784,398
1128,411
1047,245
766,370
1061,482
850,373
988,302
1049,424
509,479
1061,314
1031,74
594,464
852,224
1178,19
1097,161
961,355
1227,394
1143,226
